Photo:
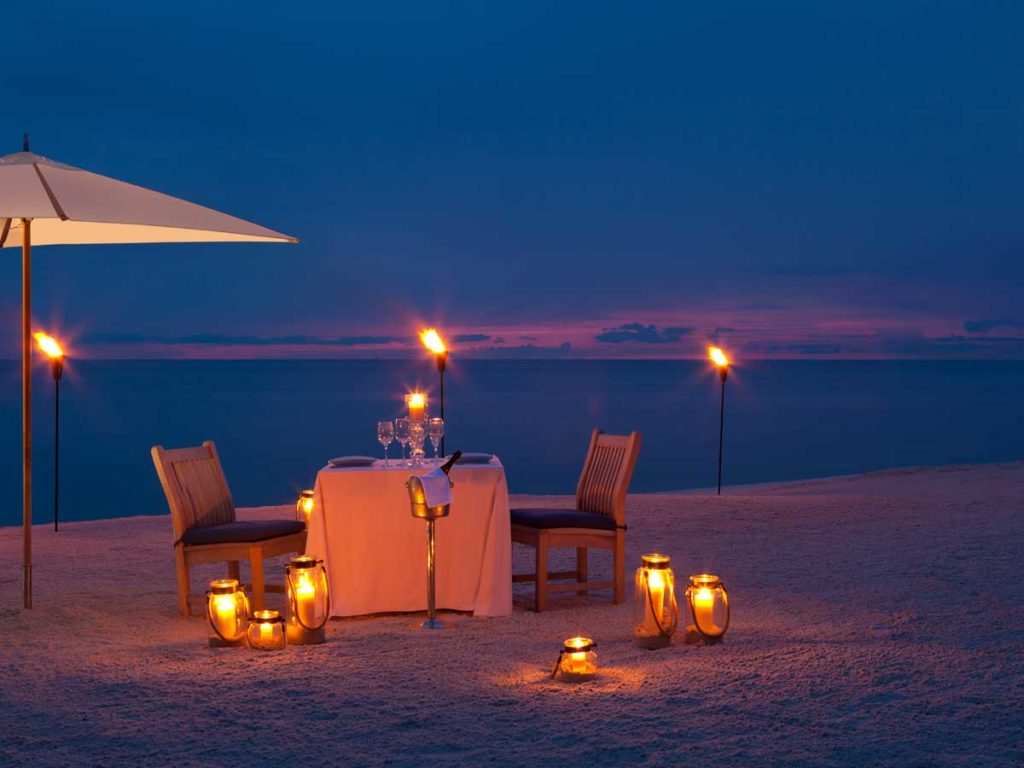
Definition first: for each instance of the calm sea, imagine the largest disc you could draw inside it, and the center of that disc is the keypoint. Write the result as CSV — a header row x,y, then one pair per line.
x,y
275,422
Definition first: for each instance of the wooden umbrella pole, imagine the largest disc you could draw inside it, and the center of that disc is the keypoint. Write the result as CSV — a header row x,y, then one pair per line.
x,y
26,399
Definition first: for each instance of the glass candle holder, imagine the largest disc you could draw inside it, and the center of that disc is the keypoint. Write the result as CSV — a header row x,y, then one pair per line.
x,y
266,631
308,600
417,438
655,610
227,609
304,506
417,405
709,608
577,660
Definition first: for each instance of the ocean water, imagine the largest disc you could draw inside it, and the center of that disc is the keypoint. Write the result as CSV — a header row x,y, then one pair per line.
x,y
276,422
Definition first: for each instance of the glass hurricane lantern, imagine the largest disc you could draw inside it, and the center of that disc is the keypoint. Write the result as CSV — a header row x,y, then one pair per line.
x,y
266,631
655,610
577,660
709,609
227,609
309,601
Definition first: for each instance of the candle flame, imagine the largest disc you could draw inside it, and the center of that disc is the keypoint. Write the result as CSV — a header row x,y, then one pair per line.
x,y
432,340
704,596
416,399
224,605
718,357
48,345
305,586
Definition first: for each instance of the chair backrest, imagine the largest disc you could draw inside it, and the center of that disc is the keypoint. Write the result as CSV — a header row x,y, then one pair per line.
x,y
606,474
196,489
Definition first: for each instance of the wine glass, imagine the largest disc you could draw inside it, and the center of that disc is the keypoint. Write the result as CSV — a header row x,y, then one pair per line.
x,y
417,434
385,436
402,434
435,429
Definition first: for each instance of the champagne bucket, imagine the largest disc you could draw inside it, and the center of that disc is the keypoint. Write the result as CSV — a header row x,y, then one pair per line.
x,y
420,509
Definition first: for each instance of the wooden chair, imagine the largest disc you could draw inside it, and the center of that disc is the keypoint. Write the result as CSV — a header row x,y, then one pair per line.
x,y
597,522
205,528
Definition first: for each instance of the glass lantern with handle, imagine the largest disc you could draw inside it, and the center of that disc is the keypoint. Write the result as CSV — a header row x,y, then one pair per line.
x,y
655,610
308,600
304,506
227,609
708,602
577,660
266,631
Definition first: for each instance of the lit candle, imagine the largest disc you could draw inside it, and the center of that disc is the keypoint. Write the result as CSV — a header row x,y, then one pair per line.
x,y
266,631
417,403
704,610
305,599
656,585
224,608
580,662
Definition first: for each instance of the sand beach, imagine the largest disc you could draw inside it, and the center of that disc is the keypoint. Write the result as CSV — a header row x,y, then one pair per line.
x,y
877,620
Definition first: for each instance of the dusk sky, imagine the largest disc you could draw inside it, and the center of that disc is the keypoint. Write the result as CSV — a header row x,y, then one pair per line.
x,y
596,180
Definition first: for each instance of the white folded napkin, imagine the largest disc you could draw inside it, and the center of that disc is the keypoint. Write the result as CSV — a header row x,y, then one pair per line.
x,y
436,488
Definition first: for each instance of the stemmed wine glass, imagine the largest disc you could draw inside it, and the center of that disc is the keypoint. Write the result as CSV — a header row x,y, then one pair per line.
x,y
402,434
385,436
417,434
435,429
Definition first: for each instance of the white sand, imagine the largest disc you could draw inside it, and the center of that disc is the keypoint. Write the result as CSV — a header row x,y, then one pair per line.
x,y
878,620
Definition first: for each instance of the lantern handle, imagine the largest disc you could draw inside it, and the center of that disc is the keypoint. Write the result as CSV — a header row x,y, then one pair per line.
x,y
558,663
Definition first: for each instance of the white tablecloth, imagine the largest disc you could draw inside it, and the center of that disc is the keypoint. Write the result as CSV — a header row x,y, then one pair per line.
x,y
375,550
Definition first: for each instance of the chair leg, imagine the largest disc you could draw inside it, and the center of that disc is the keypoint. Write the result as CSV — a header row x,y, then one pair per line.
x,y
256,568
233,570
581,568
620,567
181,571
541,591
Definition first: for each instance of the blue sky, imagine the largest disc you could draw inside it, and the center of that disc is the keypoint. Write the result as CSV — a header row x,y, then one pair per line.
x,y
790,179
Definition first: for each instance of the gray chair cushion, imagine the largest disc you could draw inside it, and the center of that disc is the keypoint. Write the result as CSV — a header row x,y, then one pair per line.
x,y
561,518
242,531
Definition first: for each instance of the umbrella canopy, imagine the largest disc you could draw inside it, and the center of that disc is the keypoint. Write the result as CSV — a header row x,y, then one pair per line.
x,y
43,202
69,206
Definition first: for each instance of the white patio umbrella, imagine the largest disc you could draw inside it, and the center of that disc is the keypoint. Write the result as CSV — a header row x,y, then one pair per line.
x,y
43,202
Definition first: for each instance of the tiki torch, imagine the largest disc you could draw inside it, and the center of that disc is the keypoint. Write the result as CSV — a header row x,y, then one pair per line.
x,y
432,340
49,346
721,362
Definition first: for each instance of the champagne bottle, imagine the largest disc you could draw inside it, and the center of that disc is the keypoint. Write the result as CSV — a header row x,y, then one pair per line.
x,y
447,466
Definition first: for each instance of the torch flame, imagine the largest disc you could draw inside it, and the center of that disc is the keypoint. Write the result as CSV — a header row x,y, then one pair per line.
x,y
718,357
432,340
48,345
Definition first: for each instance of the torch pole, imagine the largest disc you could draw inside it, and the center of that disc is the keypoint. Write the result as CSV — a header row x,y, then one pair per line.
x,y
56,447
442,362
721,428
26,405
